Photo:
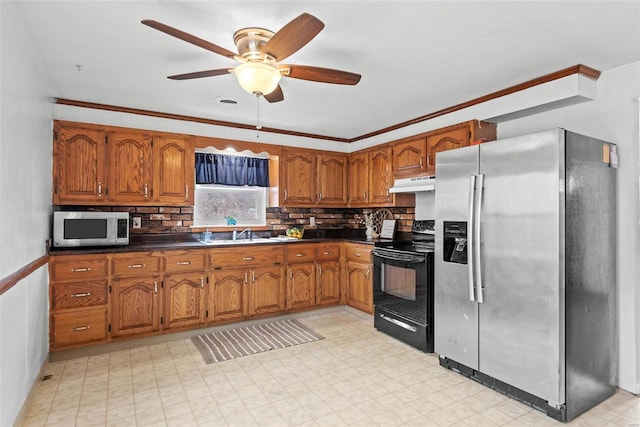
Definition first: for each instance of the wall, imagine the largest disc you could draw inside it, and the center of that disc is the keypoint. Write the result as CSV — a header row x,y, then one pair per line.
x,y
25,192
614,117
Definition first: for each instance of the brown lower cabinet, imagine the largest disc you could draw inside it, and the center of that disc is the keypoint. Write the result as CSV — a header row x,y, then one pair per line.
x,y
359,277
98,298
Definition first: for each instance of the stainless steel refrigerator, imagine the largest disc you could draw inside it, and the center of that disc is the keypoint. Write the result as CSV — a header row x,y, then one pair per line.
x,y
525,263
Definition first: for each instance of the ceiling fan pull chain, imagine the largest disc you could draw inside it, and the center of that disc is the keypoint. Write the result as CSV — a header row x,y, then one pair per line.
x,y
258,125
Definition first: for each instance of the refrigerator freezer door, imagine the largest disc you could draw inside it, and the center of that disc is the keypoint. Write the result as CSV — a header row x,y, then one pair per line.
x,y
455,314
522,257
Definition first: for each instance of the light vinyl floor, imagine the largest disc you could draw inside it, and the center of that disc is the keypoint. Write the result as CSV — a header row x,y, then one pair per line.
x,y
356,376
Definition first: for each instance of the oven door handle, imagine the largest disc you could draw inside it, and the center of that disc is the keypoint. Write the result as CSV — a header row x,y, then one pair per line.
x,y
398,323
406,258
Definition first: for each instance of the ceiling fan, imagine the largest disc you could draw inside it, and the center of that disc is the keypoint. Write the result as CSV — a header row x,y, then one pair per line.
x,y
260,52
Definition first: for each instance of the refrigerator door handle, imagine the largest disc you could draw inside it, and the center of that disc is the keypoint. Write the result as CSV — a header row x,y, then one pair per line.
x,y
471,237
476,239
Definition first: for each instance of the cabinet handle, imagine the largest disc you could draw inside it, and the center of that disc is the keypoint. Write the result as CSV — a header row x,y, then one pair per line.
x,y
136,265
320,270
421,162
81,295
201,282
184,262
290,274
368,273
80,328
246,279
253,277
357,254
428,159
285,194
298,255
320,196
155,287
81,270
186,191
99,188
146,191
248,258
365,194
327,253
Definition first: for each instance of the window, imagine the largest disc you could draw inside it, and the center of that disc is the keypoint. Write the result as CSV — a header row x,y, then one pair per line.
x,y
213,203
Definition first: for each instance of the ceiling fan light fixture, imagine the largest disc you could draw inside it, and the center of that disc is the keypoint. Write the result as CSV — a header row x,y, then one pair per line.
x,y
257,77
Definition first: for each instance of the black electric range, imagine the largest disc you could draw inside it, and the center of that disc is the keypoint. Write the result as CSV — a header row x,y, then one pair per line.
x,y
403,286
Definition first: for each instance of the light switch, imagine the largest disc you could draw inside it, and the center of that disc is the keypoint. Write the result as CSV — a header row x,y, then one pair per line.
x,y
136,222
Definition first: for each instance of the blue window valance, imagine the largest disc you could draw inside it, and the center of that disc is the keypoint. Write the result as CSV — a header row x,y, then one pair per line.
x,y
231,170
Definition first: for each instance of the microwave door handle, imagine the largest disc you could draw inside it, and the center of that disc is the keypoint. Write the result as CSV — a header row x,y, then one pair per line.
x,y
470,237
476,231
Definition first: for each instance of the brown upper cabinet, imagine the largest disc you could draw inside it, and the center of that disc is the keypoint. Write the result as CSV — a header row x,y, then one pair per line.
x,y
410,157
370,178
99,165
416,156
307,178
79,165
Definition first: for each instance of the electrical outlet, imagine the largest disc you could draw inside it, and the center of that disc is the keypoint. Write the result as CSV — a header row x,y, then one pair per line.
x,y
312,221
136,222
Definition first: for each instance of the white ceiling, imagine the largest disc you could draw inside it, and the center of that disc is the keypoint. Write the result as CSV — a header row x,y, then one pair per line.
x,y
415,57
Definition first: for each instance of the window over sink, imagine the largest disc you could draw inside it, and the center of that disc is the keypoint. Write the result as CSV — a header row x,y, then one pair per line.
x,y
230,184
214,203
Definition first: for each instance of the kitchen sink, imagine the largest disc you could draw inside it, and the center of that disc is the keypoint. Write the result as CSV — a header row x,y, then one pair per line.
x,y
255,241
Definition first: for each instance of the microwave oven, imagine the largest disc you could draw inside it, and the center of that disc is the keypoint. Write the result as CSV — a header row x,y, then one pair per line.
x,y
71,229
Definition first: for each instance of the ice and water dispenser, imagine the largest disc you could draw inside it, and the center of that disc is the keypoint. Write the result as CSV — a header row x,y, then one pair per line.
x,y
455,242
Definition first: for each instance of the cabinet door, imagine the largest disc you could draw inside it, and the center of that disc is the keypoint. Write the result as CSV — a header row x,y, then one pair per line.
x,y
298,176
358,179
301,290
229,297
455,137
173,170
410,158
332,179
359,286
79,165
328,283
380,177
135,305
184,302
266,291
130,166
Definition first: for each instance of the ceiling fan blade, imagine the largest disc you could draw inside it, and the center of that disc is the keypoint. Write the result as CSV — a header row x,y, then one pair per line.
x,y
200,74
275,96
293,36
323,75
189,38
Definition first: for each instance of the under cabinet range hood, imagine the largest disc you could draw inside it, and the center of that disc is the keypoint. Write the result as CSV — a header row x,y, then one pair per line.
x,y
414,185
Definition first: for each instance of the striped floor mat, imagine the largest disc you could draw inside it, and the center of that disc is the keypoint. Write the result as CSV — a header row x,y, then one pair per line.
x,y
233,343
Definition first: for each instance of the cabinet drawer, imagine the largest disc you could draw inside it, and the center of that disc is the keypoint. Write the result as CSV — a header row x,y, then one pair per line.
x,y
80,294
327,252
246,256
300,253
79,327
135,265
75,269
358,253
185,261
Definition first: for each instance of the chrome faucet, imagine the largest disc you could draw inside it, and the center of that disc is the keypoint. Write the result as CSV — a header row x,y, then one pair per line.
x,y
246,230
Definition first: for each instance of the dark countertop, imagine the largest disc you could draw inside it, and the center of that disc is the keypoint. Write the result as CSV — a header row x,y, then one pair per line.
x,y
142,243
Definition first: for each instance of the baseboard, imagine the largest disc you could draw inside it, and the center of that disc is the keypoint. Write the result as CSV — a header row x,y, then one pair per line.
x,y
162,338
